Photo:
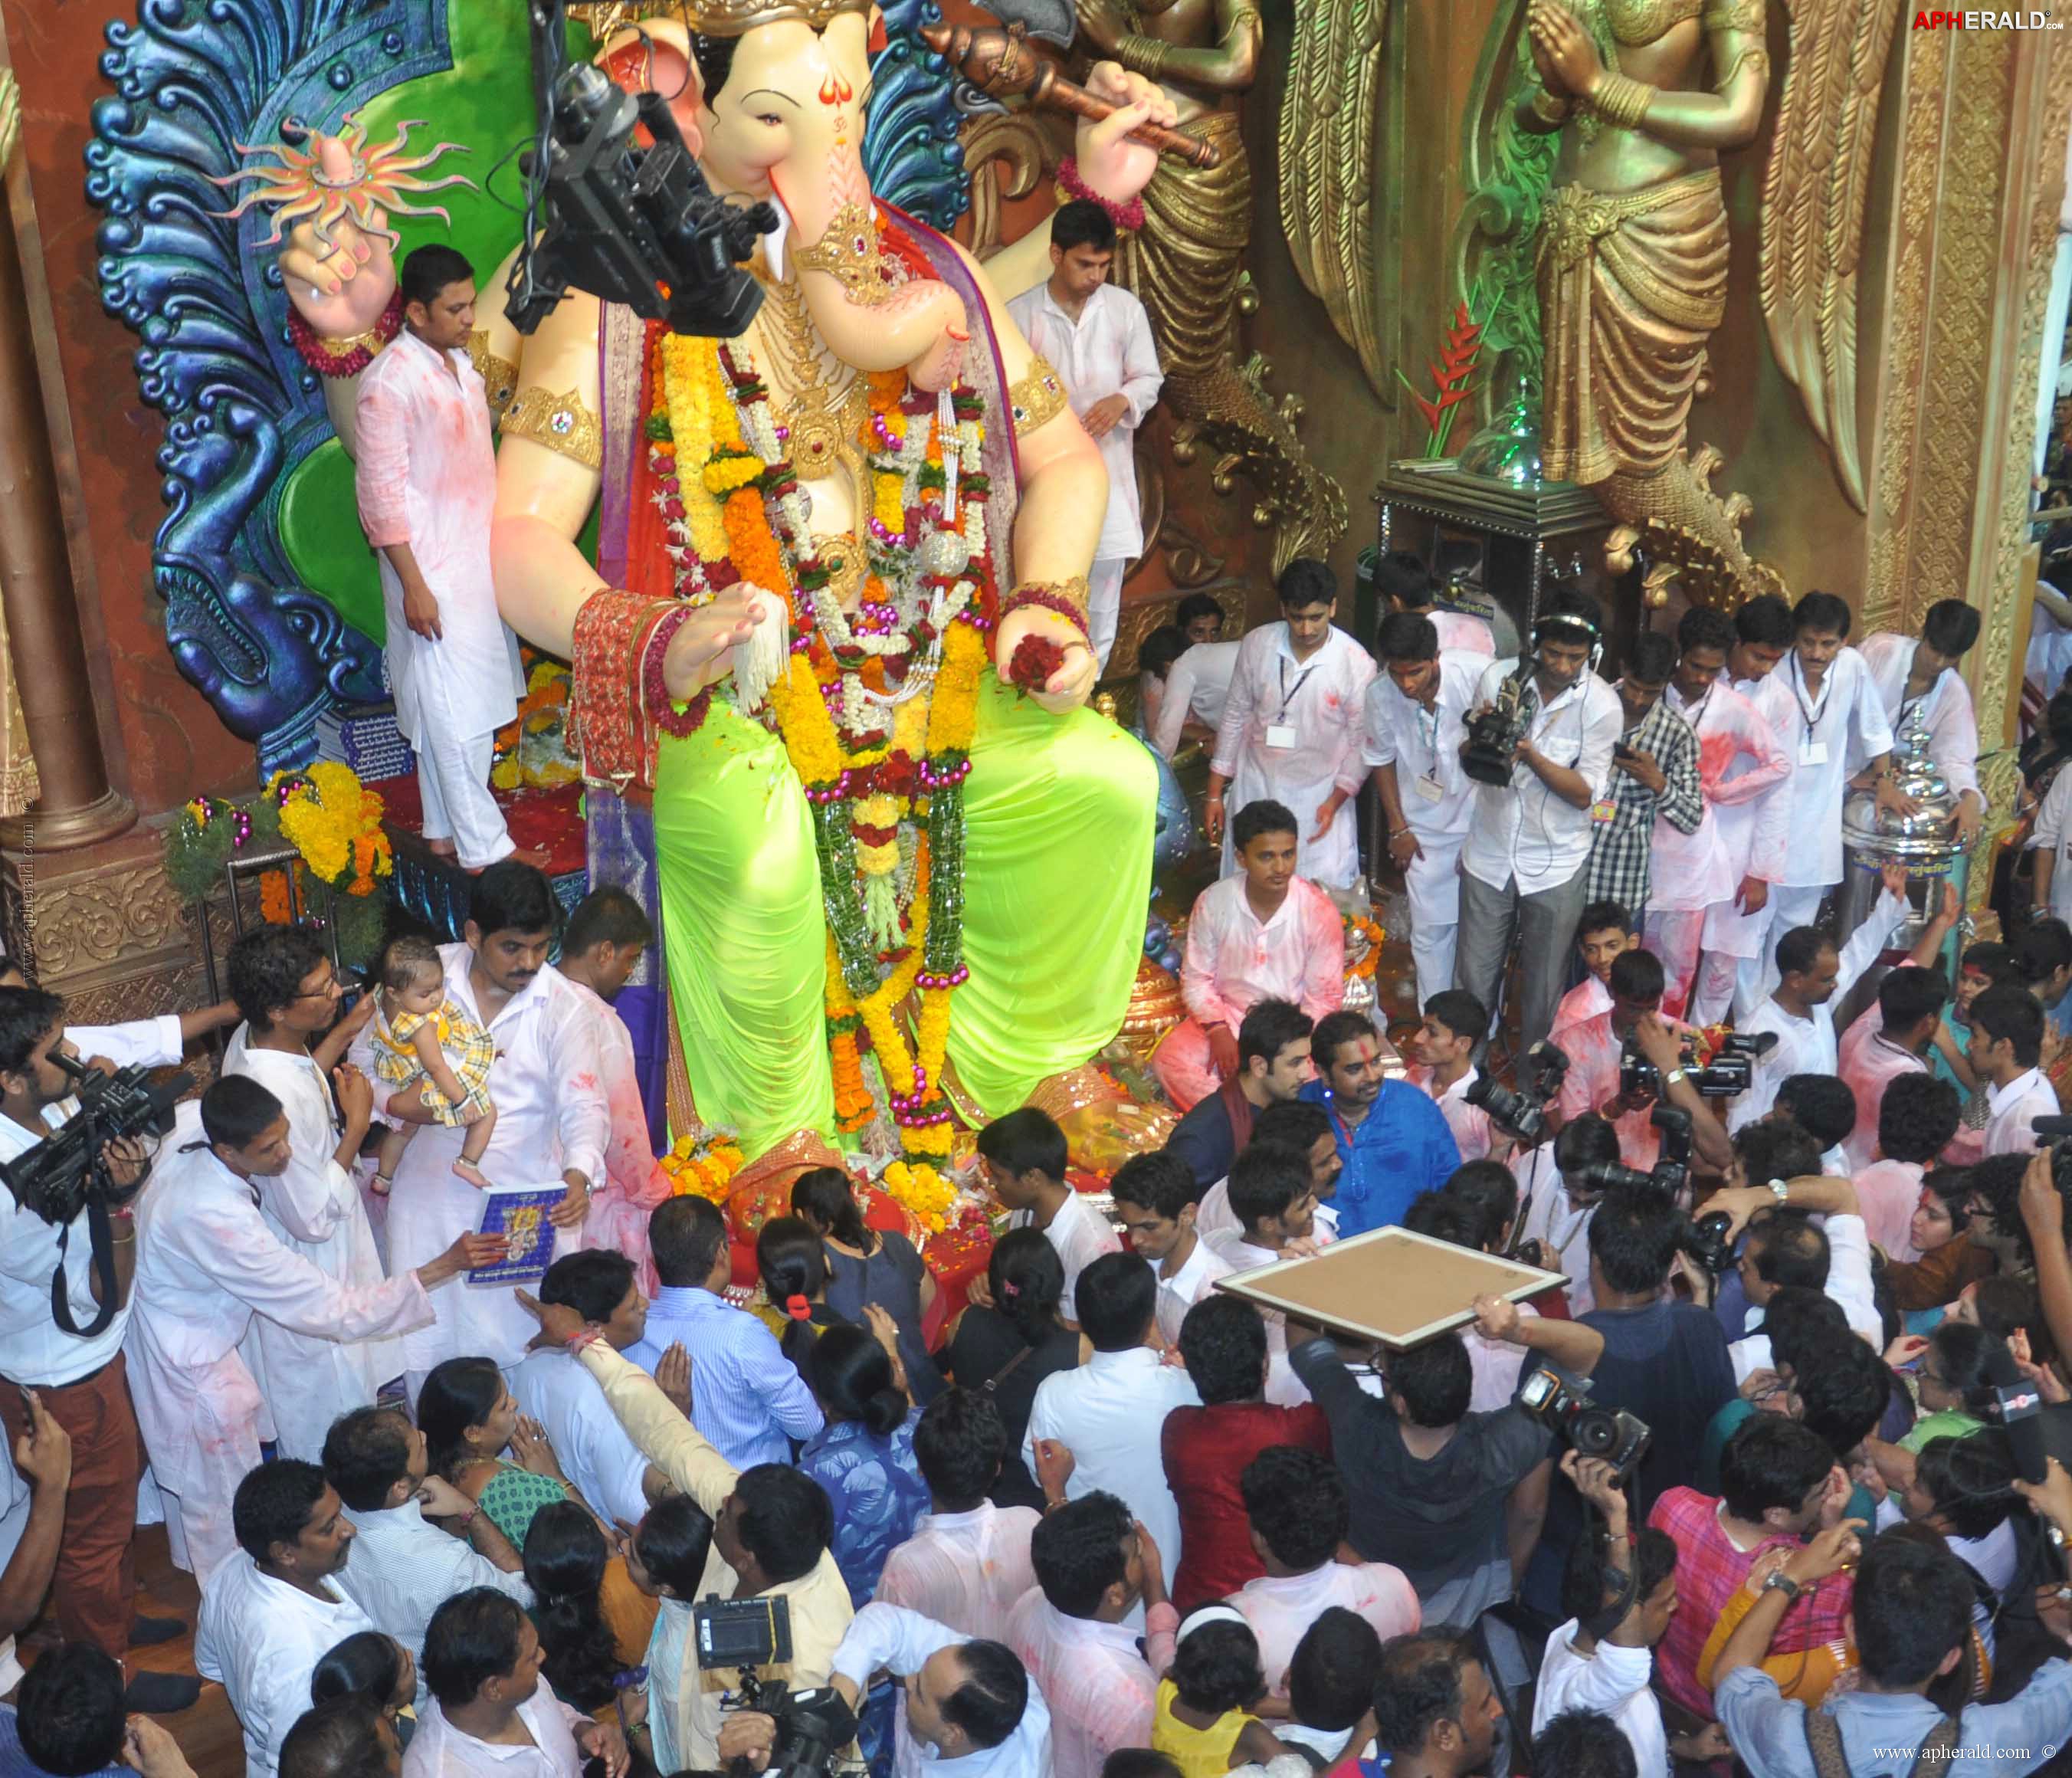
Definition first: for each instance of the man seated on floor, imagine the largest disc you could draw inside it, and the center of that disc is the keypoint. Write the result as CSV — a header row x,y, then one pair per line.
x,y
1392,1139
1272,1063
1262,934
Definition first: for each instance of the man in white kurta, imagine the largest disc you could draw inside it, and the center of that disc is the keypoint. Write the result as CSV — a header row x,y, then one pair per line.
x,y
1197,686
1917,680
1740,760
1414,712
1292,728
207,1264
1098,339
1801,1014
1835,728
552,1122
424,474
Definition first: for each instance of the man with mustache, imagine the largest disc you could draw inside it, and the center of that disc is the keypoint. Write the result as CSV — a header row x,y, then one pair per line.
x,y
551,1117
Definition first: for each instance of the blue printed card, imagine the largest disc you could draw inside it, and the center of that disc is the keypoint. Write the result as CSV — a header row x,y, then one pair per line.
x,y
520,1212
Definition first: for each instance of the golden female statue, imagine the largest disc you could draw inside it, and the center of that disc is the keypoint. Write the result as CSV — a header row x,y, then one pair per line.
x,y
1633,254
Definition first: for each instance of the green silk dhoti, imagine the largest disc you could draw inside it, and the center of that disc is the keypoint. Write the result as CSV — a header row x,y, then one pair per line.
x,y
1058,814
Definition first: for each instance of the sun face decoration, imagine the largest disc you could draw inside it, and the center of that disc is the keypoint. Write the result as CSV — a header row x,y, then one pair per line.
x,y
299,190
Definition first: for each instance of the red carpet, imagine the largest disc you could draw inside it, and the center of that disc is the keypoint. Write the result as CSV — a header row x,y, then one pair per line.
x,y
548,820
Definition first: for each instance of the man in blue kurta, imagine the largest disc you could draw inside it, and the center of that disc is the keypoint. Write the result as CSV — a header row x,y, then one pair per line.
x,y
1391,1137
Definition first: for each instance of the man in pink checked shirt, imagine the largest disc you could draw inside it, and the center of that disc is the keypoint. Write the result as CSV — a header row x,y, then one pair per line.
x,y
1264,934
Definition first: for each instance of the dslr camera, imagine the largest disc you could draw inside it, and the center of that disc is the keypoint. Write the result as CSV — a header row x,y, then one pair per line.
x,y
1729,1071
1669,1176
1493,734
63,1173
813,1726
1565,1409
1522,1111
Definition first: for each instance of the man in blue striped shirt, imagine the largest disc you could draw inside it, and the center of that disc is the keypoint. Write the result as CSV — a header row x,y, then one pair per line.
x,y
746,1399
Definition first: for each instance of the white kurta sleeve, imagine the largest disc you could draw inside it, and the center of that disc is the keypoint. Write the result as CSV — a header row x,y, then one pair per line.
x,y
315,1196
1602,726
1172,709
890,1639
143,1043
243,1257
1238,705
1869,731
581,1110
1868,940
1378,739
1141,377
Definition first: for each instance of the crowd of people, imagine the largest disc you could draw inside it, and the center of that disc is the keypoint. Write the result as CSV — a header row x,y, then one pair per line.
x,y
1763,1474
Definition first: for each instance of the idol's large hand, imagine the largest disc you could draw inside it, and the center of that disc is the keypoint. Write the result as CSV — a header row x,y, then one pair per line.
x,y
1073,683
697,657
340,289
1112,165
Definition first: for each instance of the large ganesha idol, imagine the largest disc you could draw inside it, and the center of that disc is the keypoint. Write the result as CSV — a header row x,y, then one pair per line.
x,y
886,875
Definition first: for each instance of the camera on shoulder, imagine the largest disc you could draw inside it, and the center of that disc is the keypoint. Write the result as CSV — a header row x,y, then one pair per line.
x,y
814,1726
64,1174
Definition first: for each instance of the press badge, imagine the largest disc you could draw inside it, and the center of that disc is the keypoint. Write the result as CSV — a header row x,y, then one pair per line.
x,y
1280,735
1602,811
1427,787
1812,753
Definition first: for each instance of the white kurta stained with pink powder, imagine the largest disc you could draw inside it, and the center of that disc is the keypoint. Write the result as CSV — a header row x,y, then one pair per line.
x,y
424,474
634,1182
1757,832
1739,758
1869,1063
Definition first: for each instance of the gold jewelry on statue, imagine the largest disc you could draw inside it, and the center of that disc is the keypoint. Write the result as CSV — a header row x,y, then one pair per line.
x,y
1549,109
500,376
1621,100
1745,15
711,18
561,422
1144,55
823,422
848,253
1038,398
343,345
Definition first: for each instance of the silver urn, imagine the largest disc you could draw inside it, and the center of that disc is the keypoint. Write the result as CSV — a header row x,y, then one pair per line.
x,y
1923,843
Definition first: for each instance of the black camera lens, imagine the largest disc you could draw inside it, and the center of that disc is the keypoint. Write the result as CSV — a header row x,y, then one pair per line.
x,y
1594,1432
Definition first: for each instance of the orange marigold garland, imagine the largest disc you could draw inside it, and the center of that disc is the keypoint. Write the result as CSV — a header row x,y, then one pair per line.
x,y
877,707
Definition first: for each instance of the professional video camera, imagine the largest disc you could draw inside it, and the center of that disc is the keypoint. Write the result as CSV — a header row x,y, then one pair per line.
x,y
629,224
1726,1072
64,1173
1493,734
813,1726
1522,1111
1565,1409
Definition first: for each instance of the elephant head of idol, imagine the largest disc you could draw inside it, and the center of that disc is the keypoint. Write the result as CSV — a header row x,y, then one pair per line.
x,y
770,96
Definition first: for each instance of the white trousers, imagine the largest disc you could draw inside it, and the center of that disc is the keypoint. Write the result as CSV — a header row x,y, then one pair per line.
x,y
1431,947
453,780
1674,938
1104,605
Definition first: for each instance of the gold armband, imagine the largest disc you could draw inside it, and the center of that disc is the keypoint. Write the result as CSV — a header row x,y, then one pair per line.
x,y
848,252
1038,398
1144,55
500,376
1549,109
345,344
561,422
1621,100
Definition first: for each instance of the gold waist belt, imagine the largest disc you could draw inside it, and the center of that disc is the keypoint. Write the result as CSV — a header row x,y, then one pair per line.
x,y
1577,218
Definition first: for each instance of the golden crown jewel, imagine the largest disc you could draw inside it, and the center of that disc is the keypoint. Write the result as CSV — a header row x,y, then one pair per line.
x,y
711,18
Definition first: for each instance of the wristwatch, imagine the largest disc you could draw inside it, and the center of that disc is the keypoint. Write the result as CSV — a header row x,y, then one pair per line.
x,y
1781,1582
1674,1077
1780,1190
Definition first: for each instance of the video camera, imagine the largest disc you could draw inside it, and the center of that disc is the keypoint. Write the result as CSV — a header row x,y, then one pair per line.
x,y
2037,1432
1493,734
1729,1071
813,1726
1522,1111
63,1173
1565,1409
629,224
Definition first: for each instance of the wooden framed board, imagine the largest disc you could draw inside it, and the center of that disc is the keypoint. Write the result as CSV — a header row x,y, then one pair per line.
x,y
1388,1285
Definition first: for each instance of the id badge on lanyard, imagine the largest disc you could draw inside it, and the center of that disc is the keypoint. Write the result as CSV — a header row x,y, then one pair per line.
x,y
1280,732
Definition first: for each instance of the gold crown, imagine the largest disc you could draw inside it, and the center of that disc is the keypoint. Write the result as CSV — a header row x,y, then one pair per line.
x,y
711,18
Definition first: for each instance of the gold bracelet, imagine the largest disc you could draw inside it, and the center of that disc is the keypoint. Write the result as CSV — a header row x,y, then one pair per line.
x,y
371,342
1549,109
560,422
1621,100
1144,55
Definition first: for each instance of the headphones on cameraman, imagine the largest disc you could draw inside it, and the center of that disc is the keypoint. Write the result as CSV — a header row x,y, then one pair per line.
x,y
1570,620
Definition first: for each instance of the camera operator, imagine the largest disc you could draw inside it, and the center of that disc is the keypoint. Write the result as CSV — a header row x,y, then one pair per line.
x,y
1524,863
1787,1249
1558,1204
79,1376
1597,1048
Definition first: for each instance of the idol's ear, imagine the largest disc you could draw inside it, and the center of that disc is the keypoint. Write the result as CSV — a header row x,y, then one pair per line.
x,y
877,38
655,57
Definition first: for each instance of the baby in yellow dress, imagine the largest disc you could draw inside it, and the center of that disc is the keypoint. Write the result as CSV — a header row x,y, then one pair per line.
x,y
424,1042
